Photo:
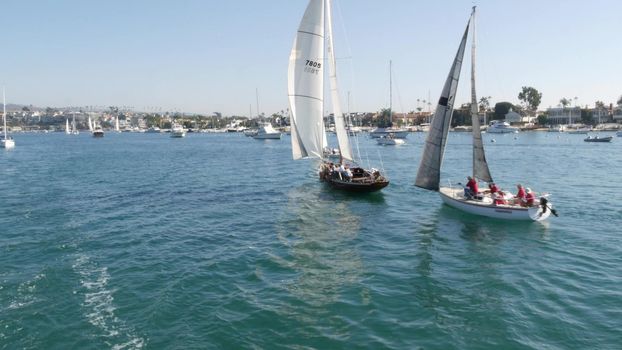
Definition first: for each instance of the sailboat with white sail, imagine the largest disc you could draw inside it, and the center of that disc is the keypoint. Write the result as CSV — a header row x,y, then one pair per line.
x,y
6,141
306,99
74,128
428,175
67,129
390,135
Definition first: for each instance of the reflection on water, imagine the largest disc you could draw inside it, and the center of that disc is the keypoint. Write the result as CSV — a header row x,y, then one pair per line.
x,y
320,234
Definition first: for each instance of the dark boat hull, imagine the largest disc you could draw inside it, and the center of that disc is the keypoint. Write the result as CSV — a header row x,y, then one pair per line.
x,y
599,139
361,187
362,180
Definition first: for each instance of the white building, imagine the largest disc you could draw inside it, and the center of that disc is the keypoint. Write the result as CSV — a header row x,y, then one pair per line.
x,y
568,115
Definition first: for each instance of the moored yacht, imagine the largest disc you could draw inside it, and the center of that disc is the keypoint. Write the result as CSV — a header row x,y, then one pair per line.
x,y
499,127
177,130
98,131
266,131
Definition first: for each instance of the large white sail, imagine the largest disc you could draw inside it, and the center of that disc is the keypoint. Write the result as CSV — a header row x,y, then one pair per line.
x,y
480,166
340,125
67,131
116,124
306,84
429,173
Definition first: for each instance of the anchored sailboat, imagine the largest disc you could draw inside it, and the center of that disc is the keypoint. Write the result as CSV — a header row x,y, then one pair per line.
x,y
6,141
306,99
428,175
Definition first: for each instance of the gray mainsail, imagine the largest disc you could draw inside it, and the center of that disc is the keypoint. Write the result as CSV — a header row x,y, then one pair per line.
x,y
429,173
480,166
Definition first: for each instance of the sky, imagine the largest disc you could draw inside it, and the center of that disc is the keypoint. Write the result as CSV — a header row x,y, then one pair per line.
x,y
205,56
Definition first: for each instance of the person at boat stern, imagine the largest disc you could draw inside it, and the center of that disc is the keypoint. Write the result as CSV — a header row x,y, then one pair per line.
x,y
471,189
519,199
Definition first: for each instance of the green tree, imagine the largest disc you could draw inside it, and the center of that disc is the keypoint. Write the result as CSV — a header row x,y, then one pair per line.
x,y
543,119
484,103
501,109
462,115
587,117
384,118
564,102
531,98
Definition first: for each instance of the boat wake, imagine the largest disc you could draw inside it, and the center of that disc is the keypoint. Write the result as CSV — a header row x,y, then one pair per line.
x,y
99,305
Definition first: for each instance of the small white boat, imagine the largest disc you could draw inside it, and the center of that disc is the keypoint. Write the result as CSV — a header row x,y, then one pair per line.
x,y
266,131
583,131
153,130
98,131
454,197
177,130
380,132
331,153
499,127
559,128
390,140
6,141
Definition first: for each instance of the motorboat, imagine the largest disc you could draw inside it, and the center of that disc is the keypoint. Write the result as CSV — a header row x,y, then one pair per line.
x,y
98,131
500,127
390,140
380,132
266,131
598,139
177,130
153,130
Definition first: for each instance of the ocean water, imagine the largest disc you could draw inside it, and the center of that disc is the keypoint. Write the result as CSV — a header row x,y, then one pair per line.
x,y
218,241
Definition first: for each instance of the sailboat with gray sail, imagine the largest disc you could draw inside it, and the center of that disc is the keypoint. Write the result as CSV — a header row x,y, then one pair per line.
x,y
428,175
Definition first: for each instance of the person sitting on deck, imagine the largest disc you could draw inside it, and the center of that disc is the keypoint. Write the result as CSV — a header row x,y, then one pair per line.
x,y
471,190
499,197
530,198
519,199
348,173
492,188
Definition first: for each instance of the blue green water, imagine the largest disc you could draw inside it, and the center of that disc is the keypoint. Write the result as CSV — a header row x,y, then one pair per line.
x,y
217,241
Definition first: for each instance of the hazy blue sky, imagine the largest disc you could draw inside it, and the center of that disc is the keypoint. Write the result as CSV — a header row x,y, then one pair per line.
x,y
207,55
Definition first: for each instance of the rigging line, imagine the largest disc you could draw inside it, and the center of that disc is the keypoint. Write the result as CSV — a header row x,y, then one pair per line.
x,y
399,95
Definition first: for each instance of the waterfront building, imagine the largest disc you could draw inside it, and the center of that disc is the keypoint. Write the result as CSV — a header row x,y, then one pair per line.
x,y
567,115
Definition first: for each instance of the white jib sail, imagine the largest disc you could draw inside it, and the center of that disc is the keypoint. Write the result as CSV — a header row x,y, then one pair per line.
x,y
90,124
340,125
116,124
306,84
67,131
429,173
480,166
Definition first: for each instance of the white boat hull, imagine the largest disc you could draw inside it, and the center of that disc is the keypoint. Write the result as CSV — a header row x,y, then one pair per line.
x,y
454,198
178,134
390,142
268,136
396,134
502,130
9,143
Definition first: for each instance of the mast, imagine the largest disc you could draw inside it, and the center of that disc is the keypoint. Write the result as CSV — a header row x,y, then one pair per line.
x,y
390,93
480,166
257,100
4,112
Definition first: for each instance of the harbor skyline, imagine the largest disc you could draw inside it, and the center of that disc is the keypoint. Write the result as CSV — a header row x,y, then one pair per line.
x,y
212,57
